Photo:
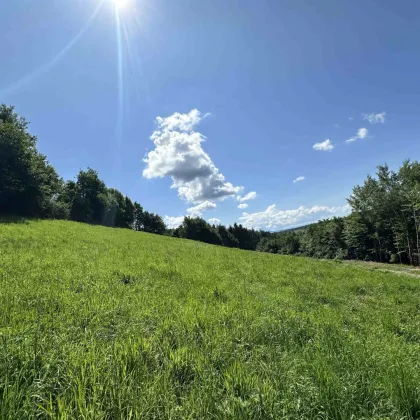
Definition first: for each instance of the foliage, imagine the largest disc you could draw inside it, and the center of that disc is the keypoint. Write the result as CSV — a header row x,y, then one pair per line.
x,y
153,223
90,201
358,237
29,186
228,239
198,229
120,210
324,239
389,207
384,225
247,238
28,183
116,324
287,243
137,216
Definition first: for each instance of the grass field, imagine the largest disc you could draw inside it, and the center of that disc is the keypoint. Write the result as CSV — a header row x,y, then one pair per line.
x,y
107,323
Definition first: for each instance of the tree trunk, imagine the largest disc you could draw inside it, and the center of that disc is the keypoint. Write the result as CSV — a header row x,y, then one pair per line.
x,y
410,256
417,235
397,243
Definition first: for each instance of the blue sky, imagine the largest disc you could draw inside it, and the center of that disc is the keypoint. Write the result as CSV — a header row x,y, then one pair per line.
x,y
243,88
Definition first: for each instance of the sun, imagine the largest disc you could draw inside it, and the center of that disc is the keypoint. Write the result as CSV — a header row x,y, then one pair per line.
x,y
121,4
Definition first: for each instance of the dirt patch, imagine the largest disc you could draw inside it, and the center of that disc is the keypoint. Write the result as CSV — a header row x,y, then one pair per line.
x,y
387,268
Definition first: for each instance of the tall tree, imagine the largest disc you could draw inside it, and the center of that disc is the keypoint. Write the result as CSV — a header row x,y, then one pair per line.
x,y
153,223
358,237
29,185
117,207
137,216
129,213
91,201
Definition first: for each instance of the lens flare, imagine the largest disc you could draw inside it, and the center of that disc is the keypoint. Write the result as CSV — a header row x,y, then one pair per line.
x,y
40,71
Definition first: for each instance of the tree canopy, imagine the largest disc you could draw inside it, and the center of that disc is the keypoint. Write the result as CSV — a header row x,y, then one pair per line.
x,y
28,183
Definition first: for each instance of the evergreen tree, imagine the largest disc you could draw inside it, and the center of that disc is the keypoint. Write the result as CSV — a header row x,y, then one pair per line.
x,y
129,213
228,239
137,216
247,238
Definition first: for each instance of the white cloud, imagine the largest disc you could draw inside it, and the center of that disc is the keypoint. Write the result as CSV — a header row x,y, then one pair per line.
x,y
324,146
351,118
214,221
361,134
242,206
250,196
178,154
375,118
273,218
196,211
173,222
299,179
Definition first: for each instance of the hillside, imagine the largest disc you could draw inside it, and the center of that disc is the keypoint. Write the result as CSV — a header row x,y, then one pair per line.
x,y
109,323
296,229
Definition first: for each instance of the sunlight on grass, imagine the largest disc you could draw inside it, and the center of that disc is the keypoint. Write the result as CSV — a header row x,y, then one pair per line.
x,y
107,323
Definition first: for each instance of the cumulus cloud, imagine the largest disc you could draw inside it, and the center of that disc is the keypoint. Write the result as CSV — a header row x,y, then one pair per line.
x,y
178,153
242,206
214,221
250,196
375,118
173,222
299,179
325,146
273,218
196,211
361,134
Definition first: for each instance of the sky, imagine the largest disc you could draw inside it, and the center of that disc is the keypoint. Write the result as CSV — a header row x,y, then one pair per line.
x,y
264,113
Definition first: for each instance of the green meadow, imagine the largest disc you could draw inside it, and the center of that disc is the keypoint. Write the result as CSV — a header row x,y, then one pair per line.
x,y
102,323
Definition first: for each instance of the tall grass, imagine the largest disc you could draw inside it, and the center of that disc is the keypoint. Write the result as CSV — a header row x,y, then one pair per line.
x,y
100,323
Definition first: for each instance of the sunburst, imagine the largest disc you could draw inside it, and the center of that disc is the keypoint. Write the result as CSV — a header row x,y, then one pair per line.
x,y
122,4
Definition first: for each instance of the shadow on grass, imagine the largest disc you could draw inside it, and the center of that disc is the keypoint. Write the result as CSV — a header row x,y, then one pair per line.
x,y
13,219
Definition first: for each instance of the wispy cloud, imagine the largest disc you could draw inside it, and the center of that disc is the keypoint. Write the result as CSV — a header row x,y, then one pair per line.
x,y
361,134
250,196
273,218
178,153
375,118
243,206
325,146
173,222
299,179
214,221
351,118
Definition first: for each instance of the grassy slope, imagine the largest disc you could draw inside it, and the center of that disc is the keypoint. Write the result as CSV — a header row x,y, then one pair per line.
x,y
107,323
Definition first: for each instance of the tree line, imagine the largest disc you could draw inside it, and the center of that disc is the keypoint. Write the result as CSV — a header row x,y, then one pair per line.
x,y
384,224
31,187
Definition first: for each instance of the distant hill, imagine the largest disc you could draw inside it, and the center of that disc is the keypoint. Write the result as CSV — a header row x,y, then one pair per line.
x,y
294,229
